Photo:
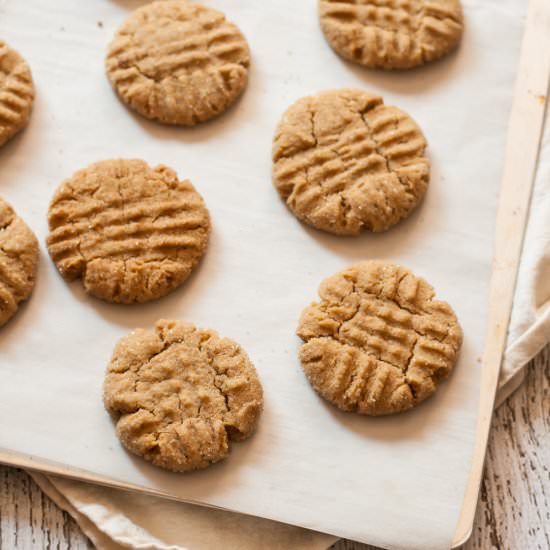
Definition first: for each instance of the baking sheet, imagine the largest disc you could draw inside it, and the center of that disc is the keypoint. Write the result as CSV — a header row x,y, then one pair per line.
x,y
395,482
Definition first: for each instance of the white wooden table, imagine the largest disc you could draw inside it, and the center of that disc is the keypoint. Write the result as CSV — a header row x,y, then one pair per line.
x,y
514,513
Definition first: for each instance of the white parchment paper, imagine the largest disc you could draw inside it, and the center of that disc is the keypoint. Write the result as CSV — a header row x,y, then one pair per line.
x,y
394,482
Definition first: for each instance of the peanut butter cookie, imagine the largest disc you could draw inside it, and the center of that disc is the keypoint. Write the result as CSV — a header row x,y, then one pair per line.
x,y
179,394
392,34
344,162
132,233
18,262
178,62
16,93
378,342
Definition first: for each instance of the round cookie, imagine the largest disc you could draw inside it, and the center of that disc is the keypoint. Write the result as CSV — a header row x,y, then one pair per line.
x,y
387,34
132,233
16,93
343,162
18,262
178,62
378,342
179,394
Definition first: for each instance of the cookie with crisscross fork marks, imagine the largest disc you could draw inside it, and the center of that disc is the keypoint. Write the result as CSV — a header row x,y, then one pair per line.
x,y
392,34
18,262
344,161
378,342
132,233
179,394
16,93
178,62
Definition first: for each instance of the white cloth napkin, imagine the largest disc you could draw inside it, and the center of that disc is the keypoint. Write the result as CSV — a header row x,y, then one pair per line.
x,y
115,519
530,324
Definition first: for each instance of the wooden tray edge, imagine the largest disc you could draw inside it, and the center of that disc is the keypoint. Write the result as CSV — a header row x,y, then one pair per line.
x,y
520,165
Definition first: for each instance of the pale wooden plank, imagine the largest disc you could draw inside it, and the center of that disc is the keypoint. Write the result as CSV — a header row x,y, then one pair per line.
x,y
515,498
29,520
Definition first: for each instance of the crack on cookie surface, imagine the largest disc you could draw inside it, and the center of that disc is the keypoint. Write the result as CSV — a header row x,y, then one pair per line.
x,y
344,162
178,395
378,342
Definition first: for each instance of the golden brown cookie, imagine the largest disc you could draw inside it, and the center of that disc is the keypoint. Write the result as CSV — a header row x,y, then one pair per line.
x,y
132,233
392,34
378,342
18,262
16,93
179,394
178,62
343,161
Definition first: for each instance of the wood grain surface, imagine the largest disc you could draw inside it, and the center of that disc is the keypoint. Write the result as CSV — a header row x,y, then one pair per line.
x,y
514,512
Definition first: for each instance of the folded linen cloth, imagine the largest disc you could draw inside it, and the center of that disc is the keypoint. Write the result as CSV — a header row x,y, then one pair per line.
x,y
115,519
529,329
